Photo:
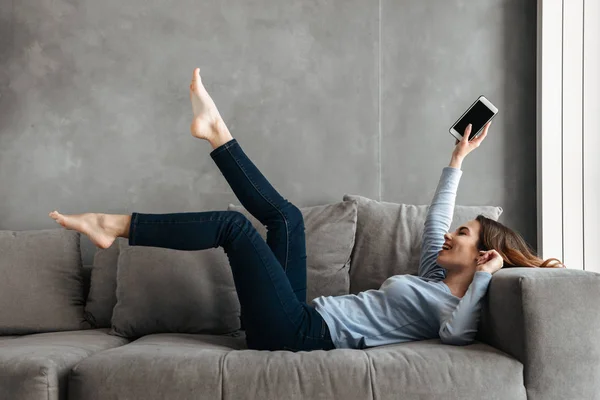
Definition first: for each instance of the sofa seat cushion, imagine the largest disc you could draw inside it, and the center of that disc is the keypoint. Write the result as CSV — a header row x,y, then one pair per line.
x,y
430,369
186,366
37,366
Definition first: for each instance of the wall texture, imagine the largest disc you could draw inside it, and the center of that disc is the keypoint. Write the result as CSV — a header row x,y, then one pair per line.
x,y
326,97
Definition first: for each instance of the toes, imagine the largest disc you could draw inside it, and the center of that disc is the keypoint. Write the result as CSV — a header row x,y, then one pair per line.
x,y
58,217
196,82
196,75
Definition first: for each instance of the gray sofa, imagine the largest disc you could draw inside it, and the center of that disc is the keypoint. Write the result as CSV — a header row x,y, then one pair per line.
x,y
537,337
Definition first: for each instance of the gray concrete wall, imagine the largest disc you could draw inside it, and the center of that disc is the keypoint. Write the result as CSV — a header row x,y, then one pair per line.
x,y
326,97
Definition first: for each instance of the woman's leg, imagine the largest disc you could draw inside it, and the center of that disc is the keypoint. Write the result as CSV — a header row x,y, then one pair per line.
x,y
284,221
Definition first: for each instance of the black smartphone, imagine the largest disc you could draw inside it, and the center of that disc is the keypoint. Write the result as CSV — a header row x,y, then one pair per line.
x,y
478,114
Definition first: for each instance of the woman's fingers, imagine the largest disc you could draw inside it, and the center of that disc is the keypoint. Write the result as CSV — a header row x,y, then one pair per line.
x,y
475,142
467,133
484,253
464,146
480,138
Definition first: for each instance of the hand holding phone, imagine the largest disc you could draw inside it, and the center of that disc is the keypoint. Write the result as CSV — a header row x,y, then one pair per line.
x,y
478,114
465,146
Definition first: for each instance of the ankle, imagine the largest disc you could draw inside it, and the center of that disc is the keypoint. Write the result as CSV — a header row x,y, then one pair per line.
x,y
115,224
223,136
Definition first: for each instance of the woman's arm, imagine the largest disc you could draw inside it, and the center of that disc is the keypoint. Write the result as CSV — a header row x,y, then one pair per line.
x,y
441,210
456,161
460,327
438,220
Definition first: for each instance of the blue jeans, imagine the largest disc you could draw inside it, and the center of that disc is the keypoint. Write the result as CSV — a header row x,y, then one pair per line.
x,y
269,277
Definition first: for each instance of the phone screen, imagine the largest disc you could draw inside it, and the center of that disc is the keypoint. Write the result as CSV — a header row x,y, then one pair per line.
x,y
478,115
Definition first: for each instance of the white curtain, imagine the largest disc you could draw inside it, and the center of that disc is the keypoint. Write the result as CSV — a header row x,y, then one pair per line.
x,y
568,133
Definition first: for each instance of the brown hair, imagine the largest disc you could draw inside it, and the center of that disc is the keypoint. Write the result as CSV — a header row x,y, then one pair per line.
x,y
515,251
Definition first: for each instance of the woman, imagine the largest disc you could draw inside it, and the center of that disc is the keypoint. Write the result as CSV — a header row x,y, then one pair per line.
x,y
270,277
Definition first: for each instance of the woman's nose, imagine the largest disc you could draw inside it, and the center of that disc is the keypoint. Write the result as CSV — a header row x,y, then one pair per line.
x,y
447,236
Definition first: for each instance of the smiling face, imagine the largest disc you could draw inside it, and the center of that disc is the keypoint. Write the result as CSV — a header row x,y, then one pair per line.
x,y
464,249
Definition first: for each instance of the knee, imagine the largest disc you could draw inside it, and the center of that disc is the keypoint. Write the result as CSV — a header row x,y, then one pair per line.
x,y
235,224
294,215
239,219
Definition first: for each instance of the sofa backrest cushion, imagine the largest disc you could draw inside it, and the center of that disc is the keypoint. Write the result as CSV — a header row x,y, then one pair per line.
x,y
87,274
329,233
389,236
102,297
41,282
165,290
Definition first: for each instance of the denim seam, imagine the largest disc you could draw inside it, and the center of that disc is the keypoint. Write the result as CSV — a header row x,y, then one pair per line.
x,y
245,233
287,233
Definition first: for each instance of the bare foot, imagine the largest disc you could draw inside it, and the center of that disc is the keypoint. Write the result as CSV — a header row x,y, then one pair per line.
x,y
207,123
91,224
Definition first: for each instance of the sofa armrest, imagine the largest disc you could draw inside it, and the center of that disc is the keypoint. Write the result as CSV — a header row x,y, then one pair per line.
x,y
548,319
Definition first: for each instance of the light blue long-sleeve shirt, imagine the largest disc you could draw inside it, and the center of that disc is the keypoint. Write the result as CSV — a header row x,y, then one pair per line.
x,y
408,307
